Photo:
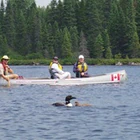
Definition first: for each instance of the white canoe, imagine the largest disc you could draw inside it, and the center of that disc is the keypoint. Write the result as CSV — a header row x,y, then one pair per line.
x,y
113,77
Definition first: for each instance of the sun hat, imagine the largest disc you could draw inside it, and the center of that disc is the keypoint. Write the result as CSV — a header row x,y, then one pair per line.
x,y
81,56
55,58
5,57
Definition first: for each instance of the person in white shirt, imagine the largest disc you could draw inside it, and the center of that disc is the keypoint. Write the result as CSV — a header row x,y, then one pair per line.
x,y
5,71
56,71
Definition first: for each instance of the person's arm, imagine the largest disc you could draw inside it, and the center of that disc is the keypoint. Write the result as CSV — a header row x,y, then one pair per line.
x,y
9,69
4,77
85,72
87,68
75,68
55,66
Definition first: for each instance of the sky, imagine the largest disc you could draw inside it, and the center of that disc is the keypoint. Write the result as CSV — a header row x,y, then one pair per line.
x,y
39,2
42,2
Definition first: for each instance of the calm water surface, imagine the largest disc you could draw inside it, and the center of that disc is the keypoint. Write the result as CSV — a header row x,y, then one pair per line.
x,y
26,112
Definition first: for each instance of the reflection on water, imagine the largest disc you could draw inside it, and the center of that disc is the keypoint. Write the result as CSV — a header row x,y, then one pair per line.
x,y
26,111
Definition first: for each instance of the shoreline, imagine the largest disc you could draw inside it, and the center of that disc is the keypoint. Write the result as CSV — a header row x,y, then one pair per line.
x,y
118,62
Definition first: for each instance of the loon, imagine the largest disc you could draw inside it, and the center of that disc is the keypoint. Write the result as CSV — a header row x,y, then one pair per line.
x,y
78,104
67,101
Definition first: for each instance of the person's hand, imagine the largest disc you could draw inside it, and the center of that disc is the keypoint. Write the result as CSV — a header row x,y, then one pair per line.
x,y
7,79
7,67
82,73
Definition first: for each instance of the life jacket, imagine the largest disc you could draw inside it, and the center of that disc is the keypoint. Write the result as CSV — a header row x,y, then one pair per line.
x,y
5,69
53,71
82,67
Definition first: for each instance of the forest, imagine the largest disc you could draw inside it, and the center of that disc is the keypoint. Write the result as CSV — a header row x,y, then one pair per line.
x,y
98,29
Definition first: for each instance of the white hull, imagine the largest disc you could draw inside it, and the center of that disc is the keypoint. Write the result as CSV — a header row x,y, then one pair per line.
x,y
114,77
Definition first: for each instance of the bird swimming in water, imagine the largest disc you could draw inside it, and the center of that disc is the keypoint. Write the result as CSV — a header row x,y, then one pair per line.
x,y
67,101
78,104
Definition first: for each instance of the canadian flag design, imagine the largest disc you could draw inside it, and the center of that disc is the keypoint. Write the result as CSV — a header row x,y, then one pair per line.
x,y
115,77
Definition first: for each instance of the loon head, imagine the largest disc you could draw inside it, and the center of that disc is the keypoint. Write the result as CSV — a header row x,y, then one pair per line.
x,y
68,98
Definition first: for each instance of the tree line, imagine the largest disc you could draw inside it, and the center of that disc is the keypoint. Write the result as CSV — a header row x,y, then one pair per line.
x,y
95,28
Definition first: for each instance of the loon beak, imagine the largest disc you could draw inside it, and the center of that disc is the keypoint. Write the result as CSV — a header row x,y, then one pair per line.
x,y
73,98
68,98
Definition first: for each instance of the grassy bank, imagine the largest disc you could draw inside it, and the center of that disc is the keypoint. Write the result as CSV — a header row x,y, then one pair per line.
x,y
72,61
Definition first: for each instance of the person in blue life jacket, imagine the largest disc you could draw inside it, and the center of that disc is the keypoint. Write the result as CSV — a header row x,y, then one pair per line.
x,y
80,68
56,70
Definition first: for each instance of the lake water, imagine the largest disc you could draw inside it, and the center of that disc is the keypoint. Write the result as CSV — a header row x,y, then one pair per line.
x,y
26,112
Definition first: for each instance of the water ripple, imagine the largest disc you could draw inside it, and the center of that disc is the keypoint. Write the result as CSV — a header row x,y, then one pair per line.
x,y
27,113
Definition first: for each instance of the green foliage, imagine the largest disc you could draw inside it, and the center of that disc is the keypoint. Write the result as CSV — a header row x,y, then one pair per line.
x,y
94,28
69,17
118,56
108,53
107,47
83,45
9,26
71,61
3,45
2,9
74,39
98,49
34,56
66,44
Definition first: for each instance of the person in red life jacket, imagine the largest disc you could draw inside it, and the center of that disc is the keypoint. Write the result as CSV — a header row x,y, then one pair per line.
x,y
80,68
5,71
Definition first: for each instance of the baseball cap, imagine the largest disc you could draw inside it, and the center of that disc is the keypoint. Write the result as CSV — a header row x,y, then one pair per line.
x,y
55,58
81,56
5,57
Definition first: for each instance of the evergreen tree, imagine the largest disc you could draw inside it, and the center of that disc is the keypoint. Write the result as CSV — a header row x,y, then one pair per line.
x,y
135,49
52,13
93,25
81,15
66,44
22,5
106,12
57,39
2,10
137,7
44,38
107,45
83,45
21,35
69,14
50,41
109,28
98,50
9,27
108,53
131,43
74,39
34,29
60,12
114,27
3,45
0,30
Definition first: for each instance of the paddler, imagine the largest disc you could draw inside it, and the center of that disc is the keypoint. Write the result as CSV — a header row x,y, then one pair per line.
x,y
5,71
80,68
56,71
